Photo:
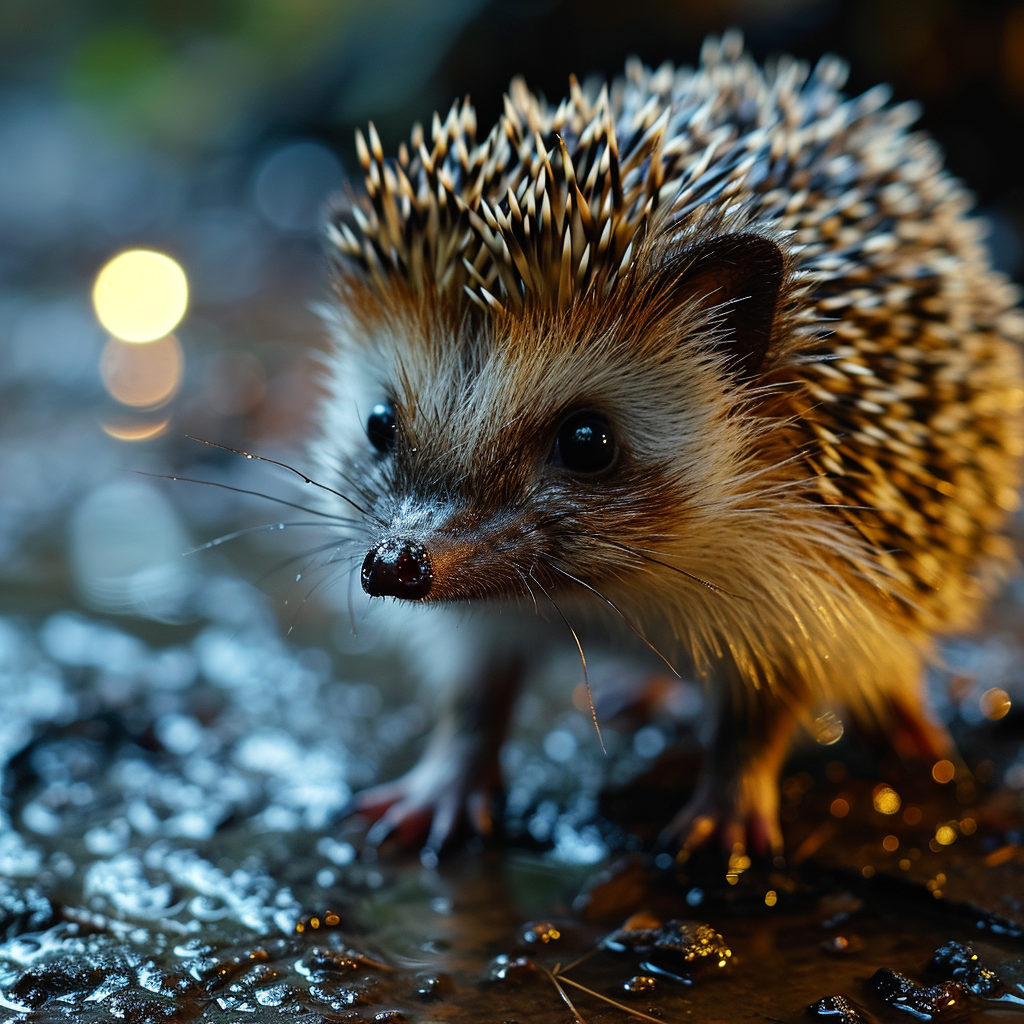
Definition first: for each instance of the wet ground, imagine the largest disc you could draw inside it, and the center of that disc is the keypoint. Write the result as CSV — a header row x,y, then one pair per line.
x,y
170,850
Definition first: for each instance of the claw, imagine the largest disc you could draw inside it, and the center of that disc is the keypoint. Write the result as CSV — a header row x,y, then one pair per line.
x,y
373,803
744,816
405,823
446,816
452,787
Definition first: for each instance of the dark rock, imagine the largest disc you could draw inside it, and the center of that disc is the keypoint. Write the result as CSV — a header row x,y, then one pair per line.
x,y
38,986
956,962
688,941
901,993
640,984
321,960
433,986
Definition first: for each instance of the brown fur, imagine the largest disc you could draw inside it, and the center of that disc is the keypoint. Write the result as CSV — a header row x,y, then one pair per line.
x,y
803,518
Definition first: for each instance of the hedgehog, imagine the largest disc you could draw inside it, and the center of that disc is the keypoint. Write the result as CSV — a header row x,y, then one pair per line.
x,y
717,352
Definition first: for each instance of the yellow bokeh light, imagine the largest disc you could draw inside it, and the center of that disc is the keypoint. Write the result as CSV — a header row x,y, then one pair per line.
x,y
886,800
134,431
140,295
771,897
945,834
943,771
142,375
840,808
995,703
891,844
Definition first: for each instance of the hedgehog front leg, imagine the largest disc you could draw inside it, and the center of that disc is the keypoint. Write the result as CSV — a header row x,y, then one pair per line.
x,y
737,792
458,778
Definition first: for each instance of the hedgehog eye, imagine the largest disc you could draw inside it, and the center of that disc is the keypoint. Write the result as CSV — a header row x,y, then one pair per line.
x,y
381,427
585,443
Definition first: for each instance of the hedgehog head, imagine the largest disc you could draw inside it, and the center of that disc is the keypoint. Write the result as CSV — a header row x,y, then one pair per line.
x,y
538,334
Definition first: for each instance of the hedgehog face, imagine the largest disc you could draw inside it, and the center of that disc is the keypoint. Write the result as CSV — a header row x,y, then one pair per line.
x,y
545,452
486,483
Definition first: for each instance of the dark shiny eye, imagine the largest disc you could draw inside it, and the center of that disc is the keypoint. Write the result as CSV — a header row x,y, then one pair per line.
x,y
585,443
380,427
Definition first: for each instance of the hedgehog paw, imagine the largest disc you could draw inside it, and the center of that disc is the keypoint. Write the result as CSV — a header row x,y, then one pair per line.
x,y
450,788
743,814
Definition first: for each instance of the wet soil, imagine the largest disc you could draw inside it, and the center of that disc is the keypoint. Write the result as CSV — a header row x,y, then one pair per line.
x,y
171,850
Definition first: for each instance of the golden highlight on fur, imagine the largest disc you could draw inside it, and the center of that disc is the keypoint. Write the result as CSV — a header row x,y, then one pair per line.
x,y
777,299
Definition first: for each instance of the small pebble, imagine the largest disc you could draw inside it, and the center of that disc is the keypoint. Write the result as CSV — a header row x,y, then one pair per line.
x,y
838,1008
511,969
320,960
433,986
842,945
689,941
540,933
640,984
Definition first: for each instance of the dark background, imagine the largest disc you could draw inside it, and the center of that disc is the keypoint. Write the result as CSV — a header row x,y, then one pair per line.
x,y
215,83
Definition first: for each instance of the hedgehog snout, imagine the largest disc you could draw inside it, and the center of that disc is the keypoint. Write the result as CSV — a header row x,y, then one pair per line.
x,y
397,568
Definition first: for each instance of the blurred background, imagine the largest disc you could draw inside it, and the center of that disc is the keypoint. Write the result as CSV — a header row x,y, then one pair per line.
x,y
212,132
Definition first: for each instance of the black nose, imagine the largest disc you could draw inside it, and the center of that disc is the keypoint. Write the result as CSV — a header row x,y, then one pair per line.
x,y
397,568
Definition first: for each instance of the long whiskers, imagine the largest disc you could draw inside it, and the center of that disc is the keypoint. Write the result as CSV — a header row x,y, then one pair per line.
x,y
325,579
263,528
529,589
583,659
292,559
647,555
290,469
618,611
242,490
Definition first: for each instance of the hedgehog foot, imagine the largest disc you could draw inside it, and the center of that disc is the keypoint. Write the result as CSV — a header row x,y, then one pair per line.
x,y
742,813
456,784
737,794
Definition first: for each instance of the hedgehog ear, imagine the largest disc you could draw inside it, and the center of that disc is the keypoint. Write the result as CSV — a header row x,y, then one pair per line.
x,y
739,276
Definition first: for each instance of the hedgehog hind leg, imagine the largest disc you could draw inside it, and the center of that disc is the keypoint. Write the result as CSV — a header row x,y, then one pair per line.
x,y
737,794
